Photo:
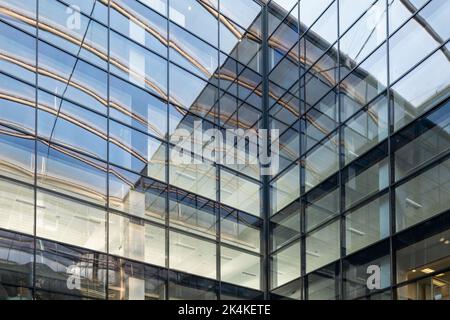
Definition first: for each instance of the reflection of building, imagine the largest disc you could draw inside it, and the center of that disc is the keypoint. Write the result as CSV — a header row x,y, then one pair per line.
x,y
88,192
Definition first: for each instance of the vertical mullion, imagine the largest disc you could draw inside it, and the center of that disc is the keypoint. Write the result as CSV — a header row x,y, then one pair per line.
x,y
218,183
341,150
107,149
35,153
391,159
265,125
167,161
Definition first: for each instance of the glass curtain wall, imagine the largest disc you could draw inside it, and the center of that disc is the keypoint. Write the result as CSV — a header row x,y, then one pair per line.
x,y
94,95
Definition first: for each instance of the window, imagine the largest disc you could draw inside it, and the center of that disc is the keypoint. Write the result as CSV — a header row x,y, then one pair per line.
x,y
322,162
422,254
285,189
136,151
239,192
423,196
192,213
358,269
192,255
366,176
240,268
136,195
16,207
425,140
240,229
286,265
71,222
367,224
323,246
134,281
57,266
135,239
323,284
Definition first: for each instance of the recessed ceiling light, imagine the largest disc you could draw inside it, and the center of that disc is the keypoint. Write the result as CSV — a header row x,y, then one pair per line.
x,y
414,270
441,239
446,242
427,270
189,8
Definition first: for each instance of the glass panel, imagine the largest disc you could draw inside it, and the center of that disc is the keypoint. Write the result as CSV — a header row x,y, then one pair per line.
x,y
71,222
322,162
322,204
15,10
285,189
366,129
323,246
424,196
285,265
138,65
193,16
366,176
243,12
17,104
133,281
18,50
424,33
364,83
187,287
285,226
359,270
191,53
135,239
136,195
239,192
367,33
140,24
240,229
137,108
196,178
431,288
423,88
192,213
71,173
78,35
367,225
16,254
291,291
192,255
77,273
136,151
240,268
67,76
323,284
16,155
427,139
70,125
16,207
418,257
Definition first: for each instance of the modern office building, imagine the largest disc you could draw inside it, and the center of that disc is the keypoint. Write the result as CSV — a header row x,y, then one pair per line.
x,y
93,96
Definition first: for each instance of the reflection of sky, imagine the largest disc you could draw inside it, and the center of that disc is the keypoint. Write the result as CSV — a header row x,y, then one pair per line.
x,y
430,79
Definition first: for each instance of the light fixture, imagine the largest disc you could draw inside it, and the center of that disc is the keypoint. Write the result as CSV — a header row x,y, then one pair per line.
x,y
440,275
189,8
427,270
413,204
314,254
442,240
438,283
414,270
446,242
356,231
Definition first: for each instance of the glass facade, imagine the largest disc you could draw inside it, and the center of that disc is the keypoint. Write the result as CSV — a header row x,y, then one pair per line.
x,y
94,95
